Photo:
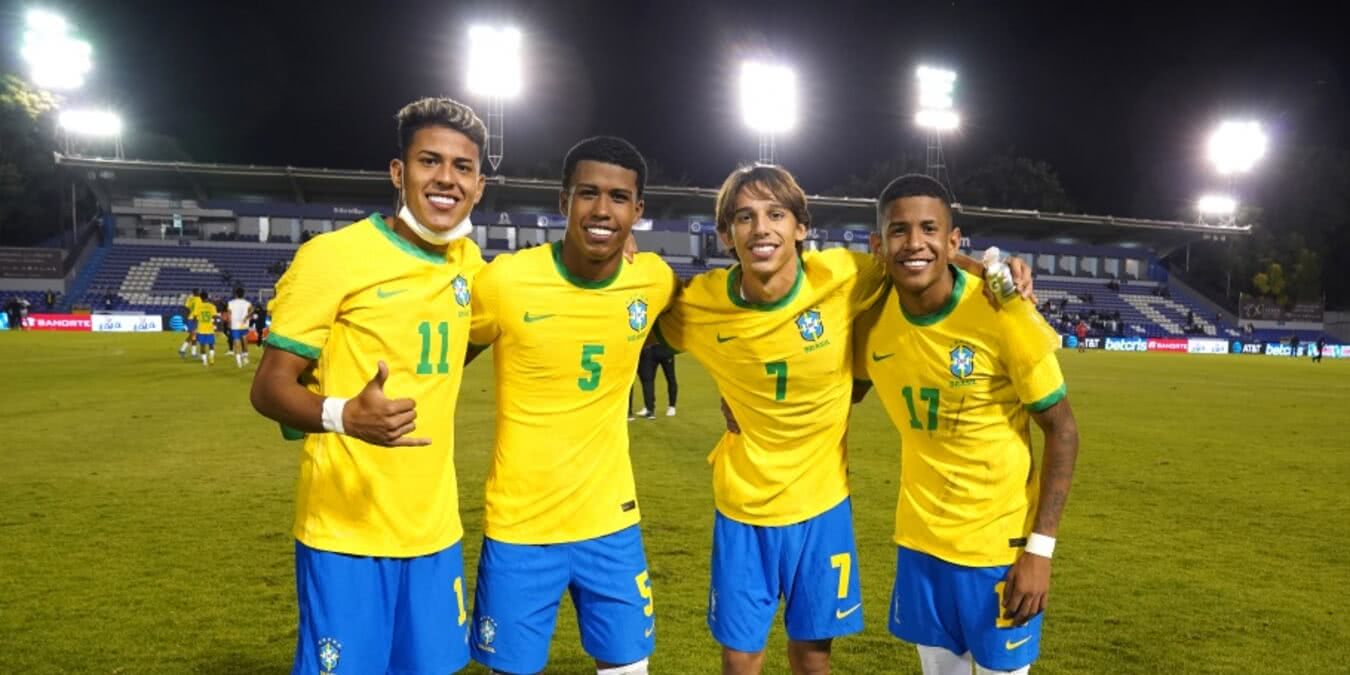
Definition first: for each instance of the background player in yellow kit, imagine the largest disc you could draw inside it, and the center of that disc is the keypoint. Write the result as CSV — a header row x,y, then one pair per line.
x,y
976,518
567,322
204,311
190,322
375,318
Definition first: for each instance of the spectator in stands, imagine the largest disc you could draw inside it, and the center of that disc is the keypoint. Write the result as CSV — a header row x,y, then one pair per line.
x,y
108,299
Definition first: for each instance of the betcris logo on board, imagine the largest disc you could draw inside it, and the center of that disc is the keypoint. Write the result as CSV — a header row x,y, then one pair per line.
x,y
1126,344
1278,349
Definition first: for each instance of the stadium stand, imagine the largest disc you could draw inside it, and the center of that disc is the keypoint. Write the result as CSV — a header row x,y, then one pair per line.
x,y
172,227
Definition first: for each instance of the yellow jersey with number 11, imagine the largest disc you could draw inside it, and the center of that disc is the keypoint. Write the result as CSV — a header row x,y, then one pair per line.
x,y
352,298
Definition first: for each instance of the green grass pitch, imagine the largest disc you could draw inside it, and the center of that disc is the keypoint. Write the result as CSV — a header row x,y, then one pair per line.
x,y
145,513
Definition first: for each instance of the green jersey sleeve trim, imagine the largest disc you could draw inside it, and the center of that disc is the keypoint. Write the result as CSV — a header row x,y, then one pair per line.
x,y
556,248
1054,397
734,290
293,346
958,288
403,244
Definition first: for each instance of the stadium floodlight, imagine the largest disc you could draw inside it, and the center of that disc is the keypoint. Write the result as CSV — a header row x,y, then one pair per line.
x,y
936,87
768,102
936,115
495,73
768,97
94,123
1236,146
937,120
494,61
56,60
1216,205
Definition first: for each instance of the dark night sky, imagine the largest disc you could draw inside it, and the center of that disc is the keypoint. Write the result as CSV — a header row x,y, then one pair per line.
x,y
1116,96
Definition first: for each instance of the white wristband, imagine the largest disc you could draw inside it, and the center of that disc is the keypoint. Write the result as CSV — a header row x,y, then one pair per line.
x,y
1041,545
332,414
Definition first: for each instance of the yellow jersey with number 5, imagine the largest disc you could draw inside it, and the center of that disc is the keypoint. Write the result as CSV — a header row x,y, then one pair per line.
x,y
565,351
785,369
352,298
960,385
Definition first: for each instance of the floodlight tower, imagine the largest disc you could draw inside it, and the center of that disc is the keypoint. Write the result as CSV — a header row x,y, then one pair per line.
x,y
1234,148
92,123
936,116
495,74
768,103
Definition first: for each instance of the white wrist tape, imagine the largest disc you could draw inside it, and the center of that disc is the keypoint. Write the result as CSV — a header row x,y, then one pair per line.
x,y
1041,545
332,414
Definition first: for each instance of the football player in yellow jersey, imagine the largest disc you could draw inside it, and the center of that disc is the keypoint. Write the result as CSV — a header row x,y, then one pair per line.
x,y
976,519
205,313
190,321
371,327
773,333
567,322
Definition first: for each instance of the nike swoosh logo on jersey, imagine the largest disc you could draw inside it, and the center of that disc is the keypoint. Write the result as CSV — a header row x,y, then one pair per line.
x,y
1010,645
840,614
721,339
881,357
531,318
648,632
385,295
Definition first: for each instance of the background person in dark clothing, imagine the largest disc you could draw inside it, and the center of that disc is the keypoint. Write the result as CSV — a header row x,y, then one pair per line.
x,y
654,355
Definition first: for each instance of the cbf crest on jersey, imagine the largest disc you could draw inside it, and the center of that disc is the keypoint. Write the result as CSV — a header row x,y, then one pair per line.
x,y
461,288
487,631
330,651
963,361
810,326
637,314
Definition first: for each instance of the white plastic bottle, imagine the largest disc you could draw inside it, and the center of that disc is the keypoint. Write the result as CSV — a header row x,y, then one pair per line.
x,y
999,277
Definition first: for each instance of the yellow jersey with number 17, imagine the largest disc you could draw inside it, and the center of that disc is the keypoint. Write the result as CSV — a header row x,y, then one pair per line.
x,y
352,298
205,314
960,385
565,351
785,369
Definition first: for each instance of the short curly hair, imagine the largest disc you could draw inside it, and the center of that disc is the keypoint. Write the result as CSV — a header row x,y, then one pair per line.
x,y
443,112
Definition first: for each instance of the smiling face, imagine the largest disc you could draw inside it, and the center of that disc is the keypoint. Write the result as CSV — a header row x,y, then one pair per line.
x,y
439,176
763,231
601,203
916,242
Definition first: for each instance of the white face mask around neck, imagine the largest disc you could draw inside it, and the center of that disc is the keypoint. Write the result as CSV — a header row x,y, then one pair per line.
x,y
427,234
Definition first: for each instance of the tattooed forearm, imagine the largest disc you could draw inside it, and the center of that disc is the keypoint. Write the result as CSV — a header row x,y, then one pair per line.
x,y
1061,452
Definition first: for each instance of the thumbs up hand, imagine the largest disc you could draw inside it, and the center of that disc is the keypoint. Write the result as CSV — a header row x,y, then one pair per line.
x,y
379,420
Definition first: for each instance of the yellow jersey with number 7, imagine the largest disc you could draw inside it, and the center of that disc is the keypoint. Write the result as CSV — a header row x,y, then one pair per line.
x,y
785,369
